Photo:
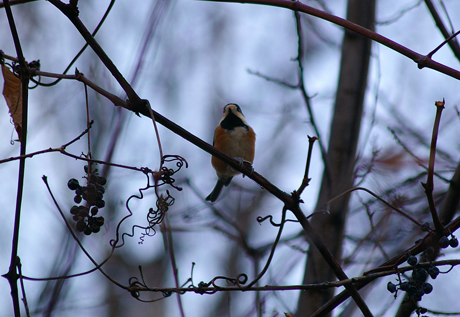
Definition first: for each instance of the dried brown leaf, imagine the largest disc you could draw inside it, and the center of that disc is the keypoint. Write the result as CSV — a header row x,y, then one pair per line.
x,y
12,91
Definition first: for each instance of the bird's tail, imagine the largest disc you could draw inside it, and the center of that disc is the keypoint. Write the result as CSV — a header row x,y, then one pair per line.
x,y
221,182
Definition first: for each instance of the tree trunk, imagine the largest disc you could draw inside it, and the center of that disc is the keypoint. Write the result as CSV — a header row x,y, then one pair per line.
x,y
341,154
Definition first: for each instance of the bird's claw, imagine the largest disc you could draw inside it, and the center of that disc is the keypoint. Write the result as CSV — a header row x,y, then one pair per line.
x,y
243,162
240,161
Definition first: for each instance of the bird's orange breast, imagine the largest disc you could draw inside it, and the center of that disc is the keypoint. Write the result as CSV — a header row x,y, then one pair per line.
x,y
238,142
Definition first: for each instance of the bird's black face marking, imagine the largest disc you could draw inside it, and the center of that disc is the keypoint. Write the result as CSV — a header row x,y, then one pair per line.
x,y
232,121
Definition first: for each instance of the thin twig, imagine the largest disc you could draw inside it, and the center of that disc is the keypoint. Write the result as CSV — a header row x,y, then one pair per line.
x,y
23,289
429,182
373,229
273,80
169,246
453,44
412,154
307,99
88,125
5,56
364,240
442,44
270,256
240,236
80,77
399,14
379,198
59,149
157,134
306,179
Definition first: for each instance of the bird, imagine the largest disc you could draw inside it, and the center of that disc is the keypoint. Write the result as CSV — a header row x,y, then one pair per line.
x,y
234,137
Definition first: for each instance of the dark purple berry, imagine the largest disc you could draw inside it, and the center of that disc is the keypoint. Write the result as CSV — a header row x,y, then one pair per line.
x,y
391,287
404,286
83,213
95,229
101,180
86,169
100,203
427,288
91,193
73,184
433,271
79,191
77,199
417,297
81,225
100,188
99,221
412,290
74,210
91,188
93,178
412,260
453,242
420,291
94,211
420,274
87,231
443,242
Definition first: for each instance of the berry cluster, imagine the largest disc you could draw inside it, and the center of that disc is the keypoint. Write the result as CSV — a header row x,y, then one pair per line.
x,y
417,286
93,194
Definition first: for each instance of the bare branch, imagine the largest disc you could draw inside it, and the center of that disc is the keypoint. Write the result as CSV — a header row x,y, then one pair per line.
x,y
429,183
421,60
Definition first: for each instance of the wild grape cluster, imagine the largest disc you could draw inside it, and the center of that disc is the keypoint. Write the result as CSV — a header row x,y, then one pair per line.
x,y
93,193
416,286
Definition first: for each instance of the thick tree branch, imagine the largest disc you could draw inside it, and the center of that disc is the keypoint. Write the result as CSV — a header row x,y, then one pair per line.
x,y
14,2
72,14
421,60
453,43
24,75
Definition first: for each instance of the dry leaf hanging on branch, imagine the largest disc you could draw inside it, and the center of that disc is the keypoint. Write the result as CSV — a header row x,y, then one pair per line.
x,y
12,92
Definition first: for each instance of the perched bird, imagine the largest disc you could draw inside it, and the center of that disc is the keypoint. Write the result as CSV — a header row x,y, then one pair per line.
x,y
235,138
